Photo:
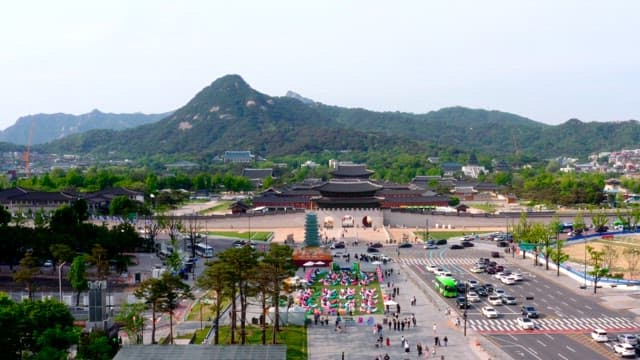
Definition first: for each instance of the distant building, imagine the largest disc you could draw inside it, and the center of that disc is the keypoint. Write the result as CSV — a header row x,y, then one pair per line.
x,y
238,157
257,176
473,171
183,165
310,164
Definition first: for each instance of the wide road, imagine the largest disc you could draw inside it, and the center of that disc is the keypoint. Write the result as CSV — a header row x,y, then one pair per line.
x,y
566,317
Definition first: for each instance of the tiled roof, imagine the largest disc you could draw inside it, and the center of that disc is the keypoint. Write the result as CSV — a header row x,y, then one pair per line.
x,y
257,173
344,186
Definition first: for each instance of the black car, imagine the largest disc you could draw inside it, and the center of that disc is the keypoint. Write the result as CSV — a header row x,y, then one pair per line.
x,y
490,270
481,291
456,247
462,288
462,302
502,244
441,242
405,245
488,287
372,250
529,311
377,245
484,261
467,244
338,245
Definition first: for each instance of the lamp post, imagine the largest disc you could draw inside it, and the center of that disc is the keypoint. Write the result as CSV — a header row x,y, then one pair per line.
x,y
557,252
60,278
585,263
466,306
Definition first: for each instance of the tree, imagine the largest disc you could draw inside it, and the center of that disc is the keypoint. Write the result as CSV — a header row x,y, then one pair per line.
x,y
78,276
193,228
578,223
558,256
100,260
599,219
599,271
61,253
5,216
96,346
609,254
262,282
215,277
131,315
279,266
27,272
174,291
152,291
632,256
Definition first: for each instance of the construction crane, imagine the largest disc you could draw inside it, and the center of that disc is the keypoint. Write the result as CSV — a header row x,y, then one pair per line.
x,y
27,153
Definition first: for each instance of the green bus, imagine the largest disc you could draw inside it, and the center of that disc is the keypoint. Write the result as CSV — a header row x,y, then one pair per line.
x,y
446,286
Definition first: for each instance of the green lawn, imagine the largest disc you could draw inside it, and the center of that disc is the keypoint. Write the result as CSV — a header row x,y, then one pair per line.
x,y
295,337
440,234
207,311
255,235
223,206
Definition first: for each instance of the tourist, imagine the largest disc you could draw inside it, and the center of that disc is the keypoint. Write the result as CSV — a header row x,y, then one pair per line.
x,y
445,341
413,319
419,348
406,347
435,328
436,341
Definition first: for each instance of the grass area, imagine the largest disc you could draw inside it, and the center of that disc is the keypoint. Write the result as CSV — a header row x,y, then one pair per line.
x,y
295,337
207,311
201,334
223,206
255,235
619,263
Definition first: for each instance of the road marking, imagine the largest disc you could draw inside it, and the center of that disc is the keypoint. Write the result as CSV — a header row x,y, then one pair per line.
x,y
513,337
562,356
574,300
549,336
588,307
547,286
570,348
541,343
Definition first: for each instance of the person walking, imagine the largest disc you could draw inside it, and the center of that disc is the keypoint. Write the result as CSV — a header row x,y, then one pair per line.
x,y
445,341
413,319
406,346
419,349
436,341
435,328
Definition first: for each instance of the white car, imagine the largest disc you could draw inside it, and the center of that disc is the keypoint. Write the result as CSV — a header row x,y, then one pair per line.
x,y
508,299
494,300
628,338
525,323
489,312
472,296
472,283
477,269
430,246
599,335
624,349
508,280
431,268
517,276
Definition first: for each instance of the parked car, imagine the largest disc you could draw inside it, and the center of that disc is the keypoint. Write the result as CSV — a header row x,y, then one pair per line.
x,y
624,349
377,245
456,247
628,339
338,245
489,312
462,303
599,335
529,311
441,242
48,263
525,323
405,245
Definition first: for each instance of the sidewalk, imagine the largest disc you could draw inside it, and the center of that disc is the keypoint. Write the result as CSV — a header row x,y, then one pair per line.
x,y
358,341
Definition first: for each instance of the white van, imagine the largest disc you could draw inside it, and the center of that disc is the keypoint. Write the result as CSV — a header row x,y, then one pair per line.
x,y
599,335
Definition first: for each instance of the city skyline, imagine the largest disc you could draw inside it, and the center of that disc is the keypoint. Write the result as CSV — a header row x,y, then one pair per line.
x,y
547,61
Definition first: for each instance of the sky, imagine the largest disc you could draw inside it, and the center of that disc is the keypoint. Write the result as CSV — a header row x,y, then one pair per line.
x,y
549,61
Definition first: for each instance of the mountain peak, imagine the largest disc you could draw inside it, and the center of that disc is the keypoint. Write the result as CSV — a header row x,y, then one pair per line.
x,y
230,81
295,95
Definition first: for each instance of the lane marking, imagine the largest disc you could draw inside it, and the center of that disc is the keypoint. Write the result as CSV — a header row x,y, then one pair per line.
x,y
549,336
541,343
570,348
562,356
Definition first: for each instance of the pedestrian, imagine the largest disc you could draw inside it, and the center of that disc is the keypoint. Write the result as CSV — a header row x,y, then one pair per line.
x,y
398,308
386,357
419,348
406,347
388,342
457,322
435,328
389,322
402,325
402,340
445,341
413,319
436,341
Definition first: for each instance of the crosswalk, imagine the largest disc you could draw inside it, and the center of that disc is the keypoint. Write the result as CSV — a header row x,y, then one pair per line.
x,y
443,261
555,324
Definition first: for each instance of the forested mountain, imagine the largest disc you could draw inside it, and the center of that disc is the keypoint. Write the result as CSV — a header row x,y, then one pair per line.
x,y
49,127
230,115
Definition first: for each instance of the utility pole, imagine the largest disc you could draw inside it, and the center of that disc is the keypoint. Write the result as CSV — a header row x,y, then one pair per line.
x,y
464,314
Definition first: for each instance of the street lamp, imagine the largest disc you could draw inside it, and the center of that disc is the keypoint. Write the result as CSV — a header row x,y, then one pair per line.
x,y
60,278
585,263
466,306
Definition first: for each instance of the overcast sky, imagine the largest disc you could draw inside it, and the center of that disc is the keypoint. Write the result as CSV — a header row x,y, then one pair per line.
x,y
546,60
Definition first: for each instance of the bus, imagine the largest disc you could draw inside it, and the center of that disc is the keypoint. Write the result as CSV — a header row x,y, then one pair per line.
x,y
204,250
446,286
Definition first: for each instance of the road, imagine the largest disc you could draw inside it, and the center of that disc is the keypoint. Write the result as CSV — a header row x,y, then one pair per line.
x,y
566,318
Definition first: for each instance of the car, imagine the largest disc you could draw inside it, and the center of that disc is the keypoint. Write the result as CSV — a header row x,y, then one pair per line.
x,y
467,244
462,303
338,245
490,312
456,247
441,242
483,261
499,268
488,287
481,291
462,288
492,263
432,268
472,296
517,276
377,245
445,274
525,323
628,339
495,254
494,300
477,269
473,283
529,311
430,246
508,299
602,229
372,250
48,263
599,335
338,254
405,245
498,291
624,349
508,280
502,244
491,270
